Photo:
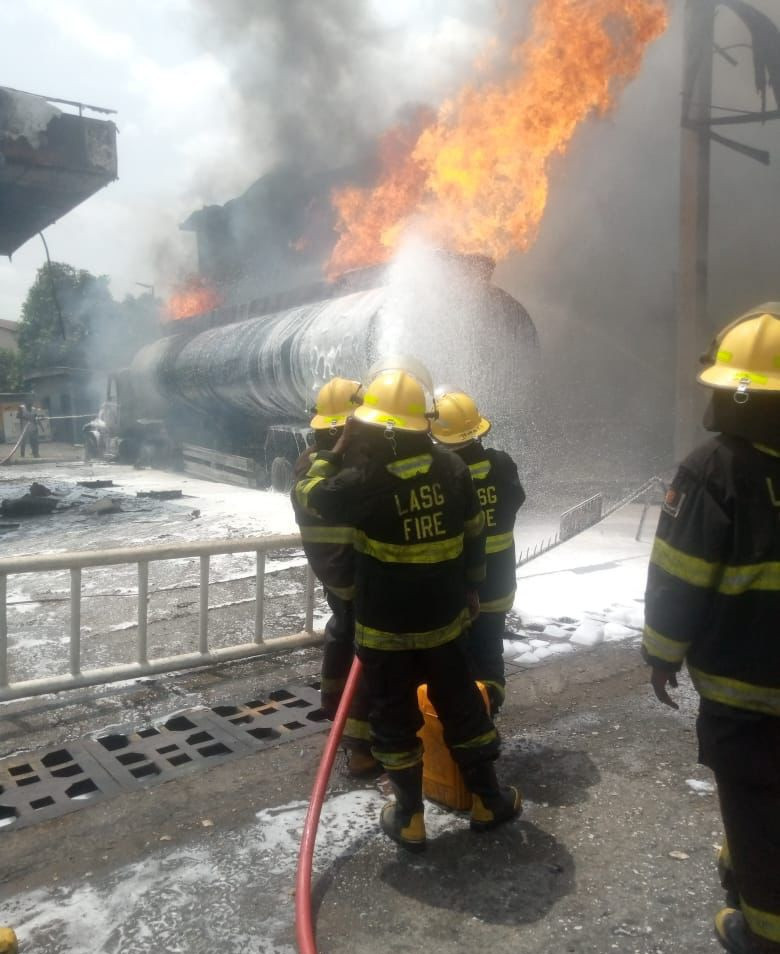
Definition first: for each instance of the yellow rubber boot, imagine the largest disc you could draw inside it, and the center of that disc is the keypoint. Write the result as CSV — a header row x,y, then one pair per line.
x,y
406,830
403,820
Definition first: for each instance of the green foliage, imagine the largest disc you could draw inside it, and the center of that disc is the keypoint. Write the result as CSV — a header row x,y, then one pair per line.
x,y
99,332
10,371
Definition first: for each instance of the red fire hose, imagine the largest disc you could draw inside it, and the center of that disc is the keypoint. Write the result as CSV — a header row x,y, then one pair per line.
x,y
304,928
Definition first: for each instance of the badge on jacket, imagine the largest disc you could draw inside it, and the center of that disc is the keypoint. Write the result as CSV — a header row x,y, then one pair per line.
x,y
673,502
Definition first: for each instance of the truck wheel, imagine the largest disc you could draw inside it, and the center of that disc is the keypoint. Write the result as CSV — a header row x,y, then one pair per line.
x,y
281,475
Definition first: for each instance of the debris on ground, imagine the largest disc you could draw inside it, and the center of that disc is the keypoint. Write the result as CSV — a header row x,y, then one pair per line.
x,y
95,484
38,490
28,506
102,507
6,527
160,494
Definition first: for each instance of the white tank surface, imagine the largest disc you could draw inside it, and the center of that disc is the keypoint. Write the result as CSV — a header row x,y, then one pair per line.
x,y
440,308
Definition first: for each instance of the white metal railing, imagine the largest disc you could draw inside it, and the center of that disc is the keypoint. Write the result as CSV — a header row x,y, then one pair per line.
x,y
142,556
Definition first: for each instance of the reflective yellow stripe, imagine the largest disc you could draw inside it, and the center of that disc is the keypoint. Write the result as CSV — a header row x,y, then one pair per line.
x,y
498,689
724,857
480,470
438,551
767,450
757,576
733,692
476,574
474,526
332,685
670,650
398,760
411,466
478,741
344,592
322,468
690,569
499,542
382,639
498,606
317,533
302,490
763,923
358,729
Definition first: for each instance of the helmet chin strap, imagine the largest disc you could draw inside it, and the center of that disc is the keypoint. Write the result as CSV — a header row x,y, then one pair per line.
x,y
742,395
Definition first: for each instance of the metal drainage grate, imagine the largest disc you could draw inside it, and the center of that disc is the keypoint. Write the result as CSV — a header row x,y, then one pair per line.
x,y
286,714
44,785
40,786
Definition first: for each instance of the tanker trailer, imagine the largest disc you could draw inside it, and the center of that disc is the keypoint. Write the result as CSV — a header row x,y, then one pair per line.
x,y
245,385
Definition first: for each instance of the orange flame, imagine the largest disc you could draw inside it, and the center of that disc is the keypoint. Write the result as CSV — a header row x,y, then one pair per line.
x,y
192,297
476,177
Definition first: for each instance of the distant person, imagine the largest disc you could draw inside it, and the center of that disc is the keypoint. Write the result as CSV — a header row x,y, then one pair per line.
x,y
460,427
28,423
713,601
419,552
330,552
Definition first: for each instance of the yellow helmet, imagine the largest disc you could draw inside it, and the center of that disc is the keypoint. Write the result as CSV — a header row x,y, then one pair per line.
x,y
746,354
458,419
395,399
336,400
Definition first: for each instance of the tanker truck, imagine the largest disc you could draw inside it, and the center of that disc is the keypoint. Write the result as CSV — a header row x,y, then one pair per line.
x,y
241,381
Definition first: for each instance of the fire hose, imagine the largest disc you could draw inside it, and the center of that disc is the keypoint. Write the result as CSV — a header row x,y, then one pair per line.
x,y
14,449
304,927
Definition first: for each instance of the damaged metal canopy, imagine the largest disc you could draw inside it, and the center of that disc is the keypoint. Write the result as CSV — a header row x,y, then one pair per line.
x,y
50,162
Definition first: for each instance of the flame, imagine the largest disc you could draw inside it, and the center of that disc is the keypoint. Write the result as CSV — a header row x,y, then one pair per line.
x,y
193,297
475,178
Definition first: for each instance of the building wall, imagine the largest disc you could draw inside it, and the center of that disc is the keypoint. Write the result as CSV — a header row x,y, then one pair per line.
x,y
9,334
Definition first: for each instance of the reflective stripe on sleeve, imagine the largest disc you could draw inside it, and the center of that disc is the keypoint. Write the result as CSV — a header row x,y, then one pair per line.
x,y
502,605
438,551
302,490
383,639
733,692
322,468
763,923
499,542
317,533
474,526
480,470
688,568
662,647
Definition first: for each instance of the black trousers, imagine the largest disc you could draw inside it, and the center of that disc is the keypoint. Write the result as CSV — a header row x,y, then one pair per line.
x,y
392,678
486,648
743,750
337,656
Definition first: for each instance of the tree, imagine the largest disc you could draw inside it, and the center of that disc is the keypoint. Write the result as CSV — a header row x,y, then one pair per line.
x,y
10,371
70,319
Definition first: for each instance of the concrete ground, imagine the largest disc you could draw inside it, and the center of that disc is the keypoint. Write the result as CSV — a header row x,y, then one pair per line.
x,y
615,850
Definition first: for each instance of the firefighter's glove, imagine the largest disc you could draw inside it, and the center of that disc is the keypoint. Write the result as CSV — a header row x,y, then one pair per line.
x,y
347,436
659,680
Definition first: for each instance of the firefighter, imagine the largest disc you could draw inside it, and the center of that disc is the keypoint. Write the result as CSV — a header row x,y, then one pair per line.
x,y
329,551
28,423
419,552
713,601
460,427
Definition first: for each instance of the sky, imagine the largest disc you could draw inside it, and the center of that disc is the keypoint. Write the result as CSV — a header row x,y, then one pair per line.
x,y
180,143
